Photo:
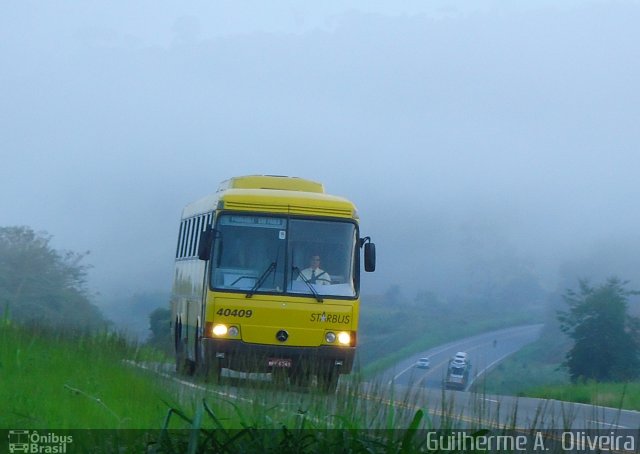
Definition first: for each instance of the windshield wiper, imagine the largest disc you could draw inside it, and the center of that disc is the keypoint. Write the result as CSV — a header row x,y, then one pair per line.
x,y
306,281
240,278
261,279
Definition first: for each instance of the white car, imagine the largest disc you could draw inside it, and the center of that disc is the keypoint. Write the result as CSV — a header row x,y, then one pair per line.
x,y
423,363
460,358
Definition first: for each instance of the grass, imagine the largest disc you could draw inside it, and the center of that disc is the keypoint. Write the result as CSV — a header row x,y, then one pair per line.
x,y
527,368
52,381
536,371
68,381
71,380
616,395
77,381
392,329
434,335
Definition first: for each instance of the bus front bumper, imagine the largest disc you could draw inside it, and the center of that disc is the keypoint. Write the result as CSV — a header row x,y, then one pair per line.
x,y
245,357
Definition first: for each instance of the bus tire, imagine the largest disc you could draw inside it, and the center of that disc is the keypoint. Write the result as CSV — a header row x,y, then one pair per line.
x,y
279,377
211,366
197,359
328,380
179,346
183,366
212,371
301,379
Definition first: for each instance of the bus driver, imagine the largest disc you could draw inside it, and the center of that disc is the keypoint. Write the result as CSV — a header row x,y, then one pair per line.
x,y
314,274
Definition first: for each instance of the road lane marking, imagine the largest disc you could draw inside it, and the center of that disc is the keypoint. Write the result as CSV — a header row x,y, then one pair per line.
x,y
508,333
607,424
479,374
363,393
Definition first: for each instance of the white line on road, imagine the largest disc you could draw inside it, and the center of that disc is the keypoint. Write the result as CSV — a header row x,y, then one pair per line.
x,y
607,424
508,333
396,377
430,353
479,374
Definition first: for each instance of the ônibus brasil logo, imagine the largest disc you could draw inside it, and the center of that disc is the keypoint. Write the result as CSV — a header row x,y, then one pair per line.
x,y
33,442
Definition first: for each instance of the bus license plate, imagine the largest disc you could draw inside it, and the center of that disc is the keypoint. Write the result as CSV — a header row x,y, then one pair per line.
x,y
279,362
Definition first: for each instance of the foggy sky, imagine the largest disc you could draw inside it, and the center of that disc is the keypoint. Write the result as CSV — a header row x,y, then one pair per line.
x,y
469,136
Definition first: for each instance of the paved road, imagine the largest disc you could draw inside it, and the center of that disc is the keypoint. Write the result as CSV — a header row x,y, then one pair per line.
x,y
474,410
408,389
423,389
485,351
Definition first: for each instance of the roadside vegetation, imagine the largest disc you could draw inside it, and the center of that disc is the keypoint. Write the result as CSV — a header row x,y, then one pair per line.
x,y
615,395
606,338
53,382
588,354
74,380
393,327
62,366
522,371
536,364
39,284
532,373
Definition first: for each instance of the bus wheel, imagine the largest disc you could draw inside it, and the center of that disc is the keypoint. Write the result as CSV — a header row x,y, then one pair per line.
x,y
211,366
328,380
279,377
197,360
183,365
212,370
301,378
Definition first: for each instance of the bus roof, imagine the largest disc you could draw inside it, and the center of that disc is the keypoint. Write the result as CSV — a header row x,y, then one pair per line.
x,y
271,182
270,194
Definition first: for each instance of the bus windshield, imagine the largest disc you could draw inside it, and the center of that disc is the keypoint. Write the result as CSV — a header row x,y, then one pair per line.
x,y
258,254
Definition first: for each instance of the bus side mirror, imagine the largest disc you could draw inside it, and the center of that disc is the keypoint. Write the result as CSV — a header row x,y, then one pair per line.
x,y
369,256
206,239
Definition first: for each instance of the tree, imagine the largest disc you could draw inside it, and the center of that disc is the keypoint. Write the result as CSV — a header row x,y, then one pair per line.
x,y
606,338
41,285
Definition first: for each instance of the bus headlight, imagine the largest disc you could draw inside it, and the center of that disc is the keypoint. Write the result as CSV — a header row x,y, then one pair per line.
x,y
219,330
330,337
344,338
233,331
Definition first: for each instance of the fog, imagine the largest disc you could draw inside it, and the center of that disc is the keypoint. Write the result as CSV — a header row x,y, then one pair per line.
x,y
476,138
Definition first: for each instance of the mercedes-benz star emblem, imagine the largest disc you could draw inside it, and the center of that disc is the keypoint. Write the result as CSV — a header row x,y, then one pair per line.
x,y
282,335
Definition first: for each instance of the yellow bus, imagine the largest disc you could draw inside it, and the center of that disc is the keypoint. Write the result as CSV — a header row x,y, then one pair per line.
x,y
267,279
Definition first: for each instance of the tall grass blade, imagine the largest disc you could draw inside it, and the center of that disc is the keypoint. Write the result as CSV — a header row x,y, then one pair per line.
x,y
194,433
210,412
405,446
